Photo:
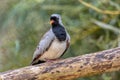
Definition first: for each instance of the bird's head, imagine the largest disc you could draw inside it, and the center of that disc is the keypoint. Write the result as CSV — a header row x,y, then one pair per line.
x,y
55,20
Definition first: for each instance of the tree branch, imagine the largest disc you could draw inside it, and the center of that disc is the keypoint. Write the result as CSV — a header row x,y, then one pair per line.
x,y
70,68
99,10
106,26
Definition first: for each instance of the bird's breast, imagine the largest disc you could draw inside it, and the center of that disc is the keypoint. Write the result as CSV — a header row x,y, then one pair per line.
x,y
55,50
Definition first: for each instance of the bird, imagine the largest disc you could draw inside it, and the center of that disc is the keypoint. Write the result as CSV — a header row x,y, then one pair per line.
x,y
54,43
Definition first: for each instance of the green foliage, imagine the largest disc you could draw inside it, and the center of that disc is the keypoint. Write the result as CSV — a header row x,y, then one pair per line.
x,y
23,22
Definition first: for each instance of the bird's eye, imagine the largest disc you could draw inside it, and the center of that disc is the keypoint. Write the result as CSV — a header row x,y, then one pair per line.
x,y
54,18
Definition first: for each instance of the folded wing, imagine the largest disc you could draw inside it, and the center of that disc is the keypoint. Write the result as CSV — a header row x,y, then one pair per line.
x,y
43,46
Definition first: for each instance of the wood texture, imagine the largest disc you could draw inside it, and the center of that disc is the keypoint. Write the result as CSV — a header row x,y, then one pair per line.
x,y
70,68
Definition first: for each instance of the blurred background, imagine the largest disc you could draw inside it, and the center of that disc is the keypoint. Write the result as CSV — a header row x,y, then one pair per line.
x,y
94,25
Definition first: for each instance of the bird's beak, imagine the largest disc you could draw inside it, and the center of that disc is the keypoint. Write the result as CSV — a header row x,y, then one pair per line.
x,y
52,21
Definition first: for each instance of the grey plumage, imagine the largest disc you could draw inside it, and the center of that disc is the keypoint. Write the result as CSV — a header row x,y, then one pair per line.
x,y
43,45
50,47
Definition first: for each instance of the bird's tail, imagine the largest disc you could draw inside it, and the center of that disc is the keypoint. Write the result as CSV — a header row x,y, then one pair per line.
x,y
38,62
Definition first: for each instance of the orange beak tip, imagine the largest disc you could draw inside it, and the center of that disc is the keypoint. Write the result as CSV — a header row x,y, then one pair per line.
x,y
51,22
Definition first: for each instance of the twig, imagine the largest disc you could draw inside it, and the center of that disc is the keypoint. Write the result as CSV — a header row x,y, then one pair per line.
x,y
106,26
99,10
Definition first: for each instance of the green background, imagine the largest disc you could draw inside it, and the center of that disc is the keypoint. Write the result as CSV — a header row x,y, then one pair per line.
x,y
23,22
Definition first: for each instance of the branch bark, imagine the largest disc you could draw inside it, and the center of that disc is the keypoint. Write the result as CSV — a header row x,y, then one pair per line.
x,y
70,68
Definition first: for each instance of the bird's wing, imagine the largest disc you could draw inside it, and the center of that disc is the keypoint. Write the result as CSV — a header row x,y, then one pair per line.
x,y
67,43
68,38
44,44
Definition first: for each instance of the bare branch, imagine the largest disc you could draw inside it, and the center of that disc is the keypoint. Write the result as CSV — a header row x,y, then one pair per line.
x,y
67,69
